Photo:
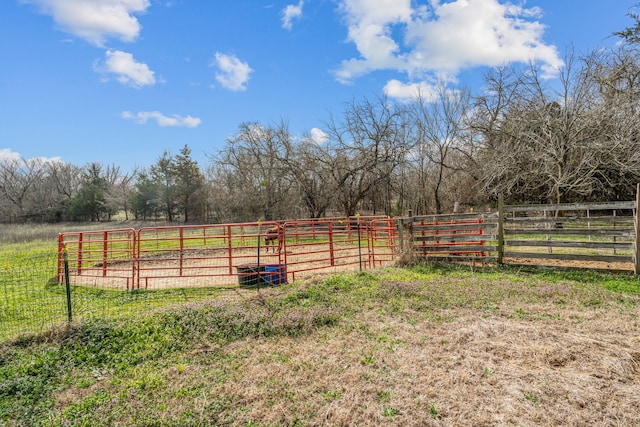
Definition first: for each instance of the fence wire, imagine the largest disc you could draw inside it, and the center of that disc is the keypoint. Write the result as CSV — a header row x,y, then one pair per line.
x,y
33,302
104,277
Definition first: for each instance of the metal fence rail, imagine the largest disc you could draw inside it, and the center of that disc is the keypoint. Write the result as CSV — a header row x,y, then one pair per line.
x,y
201,255
454,237
595,236
126,272
105,253
224,254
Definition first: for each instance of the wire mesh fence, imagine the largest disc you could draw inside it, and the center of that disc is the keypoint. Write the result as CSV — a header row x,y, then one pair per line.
x,y
34,301
31,299
125,273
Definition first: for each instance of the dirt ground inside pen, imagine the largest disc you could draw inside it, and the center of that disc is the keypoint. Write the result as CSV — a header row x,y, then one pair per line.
x,y
201,269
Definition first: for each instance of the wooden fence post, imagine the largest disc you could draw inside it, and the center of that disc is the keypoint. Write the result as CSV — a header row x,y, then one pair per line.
x,y
500,228
405,235
636,255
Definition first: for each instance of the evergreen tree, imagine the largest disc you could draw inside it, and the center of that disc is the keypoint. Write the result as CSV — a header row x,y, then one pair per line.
x,y
189,182
91,201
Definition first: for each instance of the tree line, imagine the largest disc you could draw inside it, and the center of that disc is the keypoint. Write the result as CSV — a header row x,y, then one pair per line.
x,y
575,138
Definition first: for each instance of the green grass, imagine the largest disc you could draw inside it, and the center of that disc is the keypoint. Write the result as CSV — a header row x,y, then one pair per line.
x,y
35,306
123,371
14,254
31,370
32,300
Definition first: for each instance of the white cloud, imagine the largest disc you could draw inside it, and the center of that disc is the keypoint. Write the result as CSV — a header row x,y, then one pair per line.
x,y
493,34
127,69
164,121
370,25
6,155
96,20
291,12
318,136
442,37
408,91
231,73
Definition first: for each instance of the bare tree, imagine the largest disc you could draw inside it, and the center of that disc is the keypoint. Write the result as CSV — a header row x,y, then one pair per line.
x,y
441,131
308,163
366,147
251,171
546,143
119,188
615,75
17,182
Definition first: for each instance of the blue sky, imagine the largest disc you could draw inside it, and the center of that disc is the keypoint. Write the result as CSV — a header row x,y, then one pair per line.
x,y
121,81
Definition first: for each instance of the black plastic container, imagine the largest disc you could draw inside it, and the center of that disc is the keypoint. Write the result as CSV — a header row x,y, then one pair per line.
x,y
249,275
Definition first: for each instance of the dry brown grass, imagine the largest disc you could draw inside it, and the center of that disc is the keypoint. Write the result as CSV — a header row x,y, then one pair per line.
x,y
473,372
431,351
411,348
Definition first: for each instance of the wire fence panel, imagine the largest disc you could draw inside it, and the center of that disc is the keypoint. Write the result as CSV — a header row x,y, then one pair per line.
x,y
203,255
383,241
31,300
106,254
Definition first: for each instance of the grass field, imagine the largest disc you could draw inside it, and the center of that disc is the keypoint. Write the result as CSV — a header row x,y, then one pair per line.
x,y
422,345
